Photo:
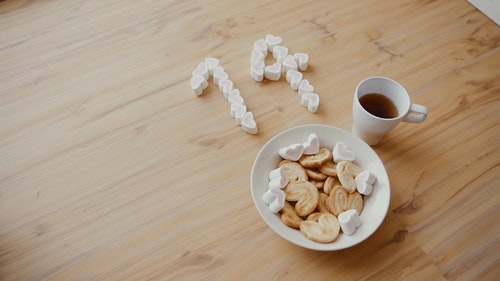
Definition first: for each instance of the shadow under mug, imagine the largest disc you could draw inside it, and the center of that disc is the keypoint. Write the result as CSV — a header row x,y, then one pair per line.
x,y
371,128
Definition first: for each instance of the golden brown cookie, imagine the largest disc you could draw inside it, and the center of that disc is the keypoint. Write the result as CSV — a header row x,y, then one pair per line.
x,y
346,172
336,202
289,217
317,184
330,183
323,230
328,168
294,171
315,160
314,216
305,194
355,201
315,175
322,203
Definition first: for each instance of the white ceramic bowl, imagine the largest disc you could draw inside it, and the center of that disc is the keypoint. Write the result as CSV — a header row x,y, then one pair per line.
x,y
375,205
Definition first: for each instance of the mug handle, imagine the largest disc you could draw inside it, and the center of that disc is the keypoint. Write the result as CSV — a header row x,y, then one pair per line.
x,y
417,113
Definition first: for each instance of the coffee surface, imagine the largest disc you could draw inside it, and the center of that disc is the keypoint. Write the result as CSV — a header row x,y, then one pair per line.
x,y
379,105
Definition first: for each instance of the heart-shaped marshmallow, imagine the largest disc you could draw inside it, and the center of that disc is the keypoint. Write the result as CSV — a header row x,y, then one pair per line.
x,y
292,152
273,72
275,198
272,41
219,74
302,60
278,178
256,56
198,84
294,78
248,124
212,64
342,153
349,221
235,99
257,71
201,70
311,101
305,87
289,63
280,53
226,87
364,182
260,45
311,146
238,111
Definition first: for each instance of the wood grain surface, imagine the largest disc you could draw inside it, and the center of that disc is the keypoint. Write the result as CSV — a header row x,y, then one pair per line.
x,y
112,169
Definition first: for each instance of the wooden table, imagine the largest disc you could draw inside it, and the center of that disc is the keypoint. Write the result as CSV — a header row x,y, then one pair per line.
x,y
111,168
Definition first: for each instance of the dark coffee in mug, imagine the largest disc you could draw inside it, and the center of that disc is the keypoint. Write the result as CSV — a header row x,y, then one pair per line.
x,y
378,105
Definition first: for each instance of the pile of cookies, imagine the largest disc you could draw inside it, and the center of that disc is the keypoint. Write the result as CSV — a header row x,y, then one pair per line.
x,y
318,190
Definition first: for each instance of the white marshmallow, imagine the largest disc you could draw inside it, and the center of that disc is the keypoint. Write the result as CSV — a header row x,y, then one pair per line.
x,y
219,74
260,45
238,112
289,63
277,178
280,53
256,56
212,64
302,60
226,87
248,124
305,87
292,152
364,182
201,70
342,153
273,72
349,221
311,146
236,99
198,84
294,78
272,41
257,71
279,200
311,101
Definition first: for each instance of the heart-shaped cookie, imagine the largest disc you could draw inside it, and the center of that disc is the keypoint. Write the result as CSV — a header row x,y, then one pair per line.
x,y
198,84
364,182
273,72
311,145
289,63
346,171
323,230
272,41
311,101
289,216
294,171
293,77
316,160
305,87
248,124
292,152
337,200
342,153
302,60
305,194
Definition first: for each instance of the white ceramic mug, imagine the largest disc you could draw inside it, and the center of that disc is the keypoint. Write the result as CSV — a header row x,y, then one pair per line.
x,y
372,128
